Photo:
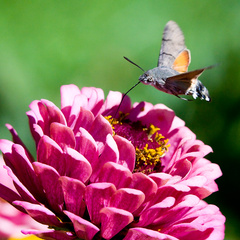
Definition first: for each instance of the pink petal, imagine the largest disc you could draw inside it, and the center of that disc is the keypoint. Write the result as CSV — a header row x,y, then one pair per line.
x,y
151,214
160,178
127,199
50,153
17,140
97,196
52,187
143,234
62,135
87,146
9,195
126,152
109,154
83,118
54,113
51,234
145,184
22,190
73,191
160,116
39,115
40,213
21,166
68,93
99,130
77,165
181,168
139,110
113,220
83,228
112,102
95,98
116,174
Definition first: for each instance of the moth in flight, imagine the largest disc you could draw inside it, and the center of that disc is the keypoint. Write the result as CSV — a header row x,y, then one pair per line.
x,y
171,74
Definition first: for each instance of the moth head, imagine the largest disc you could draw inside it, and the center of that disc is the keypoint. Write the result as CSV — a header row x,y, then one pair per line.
x,y
146,78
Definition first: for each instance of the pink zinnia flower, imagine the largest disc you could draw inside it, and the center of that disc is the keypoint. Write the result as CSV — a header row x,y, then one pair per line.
x,y
137,175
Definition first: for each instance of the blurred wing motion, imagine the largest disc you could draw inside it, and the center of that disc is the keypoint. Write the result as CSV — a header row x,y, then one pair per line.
x,y
188,84
173,53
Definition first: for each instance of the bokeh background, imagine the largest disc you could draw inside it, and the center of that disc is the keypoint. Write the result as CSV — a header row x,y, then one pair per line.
x,y
45,44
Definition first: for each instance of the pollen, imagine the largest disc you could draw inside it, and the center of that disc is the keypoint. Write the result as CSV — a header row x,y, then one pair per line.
x,y
150,145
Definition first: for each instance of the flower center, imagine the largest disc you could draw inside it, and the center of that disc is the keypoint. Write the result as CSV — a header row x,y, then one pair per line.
x,y
149,144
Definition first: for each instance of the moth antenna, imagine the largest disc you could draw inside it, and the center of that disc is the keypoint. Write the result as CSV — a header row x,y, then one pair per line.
x,y
133,63
124,97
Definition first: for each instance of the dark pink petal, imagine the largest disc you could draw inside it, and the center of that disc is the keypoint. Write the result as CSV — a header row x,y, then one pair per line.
x,y
54,113
17,140
116,174
145,184
126,152
113,220
83,228
82,118
22,190
127,199
50,153
52,187
109,154
77,165
95,98
39,115
9,195
40,213
73,192
87,146
97,196
18,161
99,130
51,234
62,135
143,234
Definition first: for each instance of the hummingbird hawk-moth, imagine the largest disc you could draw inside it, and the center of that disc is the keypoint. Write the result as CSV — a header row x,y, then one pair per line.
x,y
171,74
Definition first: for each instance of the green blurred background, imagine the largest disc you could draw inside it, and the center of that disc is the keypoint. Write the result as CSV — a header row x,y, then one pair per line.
x,y
45,44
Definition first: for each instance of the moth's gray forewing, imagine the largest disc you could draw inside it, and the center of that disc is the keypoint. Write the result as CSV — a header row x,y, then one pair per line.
x,y
172,44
